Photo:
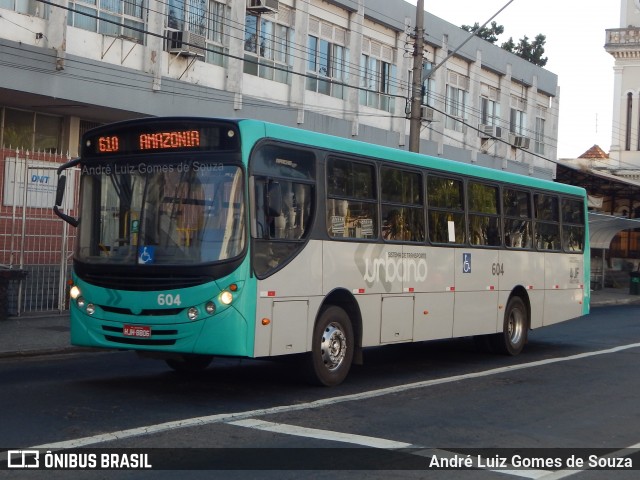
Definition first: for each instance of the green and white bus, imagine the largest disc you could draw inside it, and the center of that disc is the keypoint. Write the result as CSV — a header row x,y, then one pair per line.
x,y
200,237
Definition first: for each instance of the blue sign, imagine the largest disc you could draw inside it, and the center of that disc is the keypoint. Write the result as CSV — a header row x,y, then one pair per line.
x,y
146,254
466,263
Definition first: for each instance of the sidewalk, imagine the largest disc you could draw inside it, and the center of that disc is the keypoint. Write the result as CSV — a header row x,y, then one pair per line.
x,y
31,335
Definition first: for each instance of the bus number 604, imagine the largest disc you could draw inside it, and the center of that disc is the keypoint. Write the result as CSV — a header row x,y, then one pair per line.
x,y
168,299
497,268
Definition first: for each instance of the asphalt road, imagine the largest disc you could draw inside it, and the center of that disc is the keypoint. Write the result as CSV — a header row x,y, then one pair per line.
x,y
574,389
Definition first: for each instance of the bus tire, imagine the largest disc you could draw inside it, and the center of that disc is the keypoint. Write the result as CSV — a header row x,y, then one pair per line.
x,y
514,330
189,362
332,347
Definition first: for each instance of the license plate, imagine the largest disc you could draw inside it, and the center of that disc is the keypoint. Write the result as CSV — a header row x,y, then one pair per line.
x,y
136,331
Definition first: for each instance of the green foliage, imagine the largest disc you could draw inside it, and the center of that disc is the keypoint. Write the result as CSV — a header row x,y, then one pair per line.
x,y
531,51
490,34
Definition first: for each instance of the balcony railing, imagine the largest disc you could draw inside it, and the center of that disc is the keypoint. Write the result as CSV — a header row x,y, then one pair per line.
x,y
618,38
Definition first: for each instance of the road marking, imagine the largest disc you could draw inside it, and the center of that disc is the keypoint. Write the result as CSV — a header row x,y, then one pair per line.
x,y
320,434
229,417
374,442
625,452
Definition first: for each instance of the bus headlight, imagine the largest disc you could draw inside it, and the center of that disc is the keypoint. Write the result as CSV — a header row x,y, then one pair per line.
x,y
80,301
91,309
210,307
226,297
74,292
192,313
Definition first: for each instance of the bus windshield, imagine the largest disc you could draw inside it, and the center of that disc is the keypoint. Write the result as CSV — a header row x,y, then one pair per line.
x,y
179,213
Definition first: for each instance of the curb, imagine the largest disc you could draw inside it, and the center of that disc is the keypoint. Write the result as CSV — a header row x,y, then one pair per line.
x,y
69,350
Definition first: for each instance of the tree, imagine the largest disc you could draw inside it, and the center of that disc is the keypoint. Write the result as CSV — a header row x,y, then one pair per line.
x,y
490,34
531,51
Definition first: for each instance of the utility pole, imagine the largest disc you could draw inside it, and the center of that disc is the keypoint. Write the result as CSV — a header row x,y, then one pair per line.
x,y
416,87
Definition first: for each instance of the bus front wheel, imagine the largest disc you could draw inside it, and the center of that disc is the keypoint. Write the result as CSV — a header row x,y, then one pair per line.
x,y
515,329
189,363
332,348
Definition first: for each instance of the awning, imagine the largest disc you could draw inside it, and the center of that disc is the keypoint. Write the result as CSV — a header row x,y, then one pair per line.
x,y
602,228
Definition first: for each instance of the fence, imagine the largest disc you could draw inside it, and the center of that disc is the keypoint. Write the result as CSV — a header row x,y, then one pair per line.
x,y
35,245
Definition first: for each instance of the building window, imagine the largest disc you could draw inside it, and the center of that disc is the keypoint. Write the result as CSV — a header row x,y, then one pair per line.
x,y
202,17
627,141
28,7
518,117
489,105
539,133
216,52
267,47
377,76
456,101
428,85
31,131
118,18
326,66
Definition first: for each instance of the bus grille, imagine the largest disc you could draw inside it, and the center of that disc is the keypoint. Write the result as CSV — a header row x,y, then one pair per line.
x,y
141,284
155,312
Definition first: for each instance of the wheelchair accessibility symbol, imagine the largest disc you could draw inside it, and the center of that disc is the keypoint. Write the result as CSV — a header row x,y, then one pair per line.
x,y
466,263
146,254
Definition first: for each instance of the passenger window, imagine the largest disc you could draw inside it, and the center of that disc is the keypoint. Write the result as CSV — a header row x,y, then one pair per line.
x,y
547,222
402,200
518,230
446,210
283,199
351,200
484,220
572,225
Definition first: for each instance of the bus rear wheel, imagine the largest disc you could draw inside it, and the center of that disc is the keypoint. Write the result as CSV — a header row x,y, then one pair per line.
x,y
189,362
514,330
332,348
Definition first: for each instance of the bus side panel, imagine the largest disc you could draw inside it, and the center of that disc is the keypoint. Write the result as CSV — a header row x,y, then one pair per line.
x,y
524,269
367,270
284,299
564,290
433,316
476,292
429,274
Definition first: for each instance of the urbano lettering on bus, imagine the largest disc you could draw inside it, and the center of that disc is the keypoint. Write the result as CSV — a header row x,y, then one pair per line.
x,y
396,267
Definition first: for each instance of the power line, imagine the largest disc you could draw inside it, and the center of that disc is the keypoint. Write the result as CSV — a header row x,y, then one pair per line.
x,y
275,67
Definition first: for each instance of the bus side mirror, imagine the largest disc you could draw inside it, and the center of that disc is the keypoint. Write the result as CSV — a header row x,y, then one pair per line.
x,y
62,183
274,199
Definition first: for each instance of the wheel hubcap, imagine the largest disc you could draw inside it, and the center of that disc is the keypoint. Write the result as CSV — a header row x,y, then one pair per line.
x,y
333,346
516,327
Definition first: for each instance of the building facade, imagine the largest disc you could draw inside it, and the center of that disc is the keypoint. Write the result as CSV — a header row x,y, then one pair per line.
x,y
341,67
623,43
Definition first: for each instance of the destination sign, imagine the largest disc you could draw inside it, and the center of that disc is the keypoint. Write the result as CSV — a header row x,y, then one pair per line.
x,y
156,137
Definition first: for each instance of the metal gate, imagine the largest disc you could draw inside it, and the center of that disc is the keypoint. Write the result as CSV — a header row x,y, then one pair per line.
x,y
35,245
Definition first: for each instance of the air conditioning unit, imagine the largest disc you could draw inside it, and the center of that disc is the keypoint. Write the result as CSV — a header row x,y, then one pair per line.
x,y
519,141
426,114
187,43
262,6
489,131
